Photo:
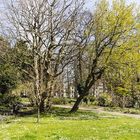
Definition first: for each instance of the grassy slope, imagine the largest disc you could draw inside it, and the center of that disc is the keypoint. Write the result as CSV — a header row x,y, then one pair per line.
x,y
80,126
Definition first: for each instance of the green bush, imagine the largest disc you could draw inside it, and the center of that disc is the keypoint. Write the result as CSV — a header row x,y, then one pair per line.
x,y
8,78
8,100
70,100
60,101
91,99
104,100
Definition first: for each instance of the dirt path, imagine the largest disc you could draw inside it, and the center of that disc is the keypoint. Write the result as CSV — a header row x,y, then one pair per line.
x,y
2,117
100,110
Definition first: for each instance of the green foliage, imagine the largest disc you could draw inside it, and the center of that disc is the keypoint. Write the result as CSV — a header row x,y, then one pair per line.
x,y
11,99
104,100
23,60
59,101
122,91
9,74
8,78
91,99
122,71
8,100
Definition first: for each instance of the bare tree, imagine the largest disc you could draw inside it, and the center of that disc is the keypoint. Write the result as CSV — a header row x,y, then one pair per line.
x,y
47,27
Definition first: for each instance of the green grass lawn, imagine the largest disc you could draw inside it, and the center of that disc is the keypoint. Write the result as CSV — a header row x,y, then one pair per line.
x,y
79,126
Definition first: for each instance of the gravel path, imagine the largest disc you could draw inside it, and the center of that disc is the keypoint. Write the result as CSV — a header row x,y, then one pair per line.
x,y
2,117
100,110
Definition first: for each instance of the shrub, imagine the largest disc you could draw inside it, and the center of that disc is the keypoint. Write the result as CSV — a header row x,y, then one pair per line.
x,y
9,100
69,100
91,98
60,101
104,100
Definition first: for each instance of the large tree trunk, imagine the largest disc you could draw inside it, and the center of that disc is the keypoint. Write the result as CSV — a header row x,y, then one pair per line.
x,y
42,102
42,106
49,104
45,107
84,91
77,103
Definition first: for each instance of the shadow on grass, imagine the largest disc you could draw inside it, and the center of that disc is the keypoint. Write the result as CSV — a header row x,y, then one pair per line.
x,y
63,114
59,114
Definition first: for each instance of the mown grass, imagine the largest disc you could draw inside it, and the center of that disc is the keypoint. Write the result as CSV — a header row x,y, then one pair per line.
x,y
60,125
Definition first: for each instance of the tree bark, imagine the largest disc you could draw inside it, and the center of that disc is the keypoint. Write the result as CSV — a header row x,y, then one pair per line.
x,y
84,91
123,101
38,114
77,103
42,106
37,86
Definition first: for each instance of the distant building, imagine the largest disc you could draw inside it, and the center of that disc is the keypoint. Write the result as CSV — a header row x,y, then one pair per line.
x,y
99,88
70,91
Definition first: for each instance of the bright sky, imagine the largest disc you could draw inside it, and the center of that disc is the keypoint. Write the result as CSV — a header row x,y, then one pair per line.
x,y
90,2
89,5
137,1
